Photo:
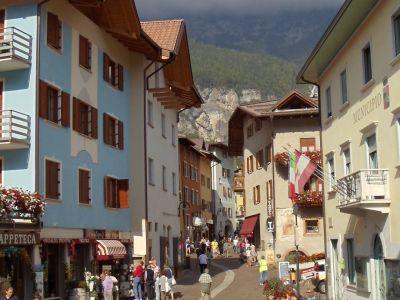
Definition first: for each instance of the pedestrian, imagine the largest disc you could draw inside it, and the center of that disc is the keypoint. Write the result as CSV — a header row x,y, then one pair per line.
x,y
169,275
235,244
9,294
253,253
248,257
107,285
37,296
206,281
187,246
263,268
226,247
203,261
164,286
214,248
156,270
149,279
138,276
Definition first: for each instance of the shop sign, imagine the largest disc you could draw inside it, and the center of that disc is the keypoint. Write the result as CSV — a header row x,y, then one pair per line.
x,y
56,241
270,212
112,234
99,234
367,108
18,238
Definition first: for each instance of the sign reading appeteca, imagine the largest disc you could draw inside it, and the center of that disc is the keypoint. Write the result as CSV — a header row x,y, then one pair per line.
x,y
18,238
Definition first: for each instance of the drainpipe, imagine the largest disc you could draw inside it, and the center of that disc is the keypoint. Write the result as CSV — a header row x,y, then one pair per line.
x,y
145,88
323,194
273,134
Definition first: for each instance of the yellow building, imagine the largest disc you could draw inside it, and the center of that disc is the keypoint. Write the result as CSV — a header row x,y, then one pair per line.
x,y
356,66
240,201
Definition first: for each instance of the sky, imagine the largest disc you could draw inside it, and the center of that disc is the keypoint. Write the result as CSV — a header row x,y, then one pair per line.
x,y
151,9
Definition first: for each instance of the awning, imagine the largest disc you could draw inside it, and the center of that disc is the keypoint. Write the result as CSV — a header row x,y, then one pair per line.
x,y
248,226
110,249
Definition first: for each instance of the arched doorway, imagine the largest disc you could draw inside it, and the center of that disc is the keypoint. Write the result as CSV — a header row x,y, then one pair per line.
x,y
228,230
379,268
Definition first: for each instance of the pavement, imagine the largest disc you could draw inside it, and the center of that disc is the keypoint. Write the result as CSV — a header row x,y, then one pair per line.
x,y
232,279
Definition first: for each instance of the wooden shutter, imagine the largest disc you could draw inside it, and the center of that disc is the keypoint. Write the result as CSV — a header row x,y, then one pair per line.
x,y
65,109
43,99
120,77
83,51
106,63
84,186
53,28
94,125
106,128
307,144
76,115
51,179
258,194
120,135
107,199
123,188
254,195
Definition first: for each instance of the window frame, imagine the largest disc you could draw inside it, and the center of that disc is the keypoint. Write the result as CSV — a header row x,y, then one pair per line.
x,y
259,159
328,99
89,190
150,113
343,87
256,195
306,232
396,35
173,135
59,179
113,131
367,65
57,44
163,129
151,171
61,105
347,166
85,53
113,73
331,171
368,152
164,178
174,189
250,131
85,119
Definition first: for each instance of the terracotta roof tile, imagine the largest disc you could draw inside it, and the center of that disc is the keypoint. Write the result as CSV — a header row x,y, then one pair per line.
x,y
165,33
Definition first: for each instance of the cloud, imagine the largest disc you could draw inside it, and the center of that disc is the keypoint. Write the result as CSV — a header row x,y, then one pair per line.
x,y
165,8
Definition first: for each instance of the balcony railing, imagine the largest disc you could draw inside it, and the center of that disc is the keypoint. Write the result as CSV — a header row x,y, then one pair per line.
x,y
15,49
364,190
14,130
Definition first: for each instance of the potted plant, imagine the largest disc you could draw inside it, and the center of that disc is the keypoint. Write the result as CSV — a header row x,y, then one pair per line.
x,y
275,289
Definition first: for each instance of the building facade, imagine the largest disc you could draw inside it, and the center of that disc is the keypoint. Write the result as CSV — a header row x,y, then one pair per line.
x,y
262,133
357,79
240,199
222,185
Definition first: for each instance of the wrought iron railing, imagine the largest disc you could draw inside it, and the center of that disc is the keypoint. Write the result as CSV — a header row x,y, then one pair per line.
x,y
15,43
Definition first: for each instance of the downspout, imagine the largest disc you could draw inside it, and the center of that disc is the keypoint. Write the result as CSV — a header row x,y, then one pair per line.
x,y
273,134
145,88
321,150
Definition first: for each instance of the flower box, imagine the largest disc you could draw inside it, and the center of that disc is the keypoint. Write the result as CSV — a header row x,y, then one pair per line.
x,y
309,199
282,158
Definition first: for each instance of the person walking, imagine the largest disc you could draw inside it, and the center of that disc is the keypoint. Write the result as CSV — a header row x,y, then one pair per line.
x,y
169,275
138,275
263,268
226,247
164,286
203,261
156,270
9,294
214,248
108,286
149,280
206,281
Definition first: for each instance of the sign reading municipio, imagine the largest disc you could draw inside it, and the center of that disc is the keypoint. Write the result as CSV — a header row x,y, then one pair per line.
x,y
18,238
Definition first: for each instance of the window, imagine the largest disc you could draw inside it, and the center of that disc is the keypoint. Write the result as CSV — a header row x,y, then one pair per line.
x,y
113,131
85,52
228,173
54,31
268,154
223,172
54,105
343,86
396,32
84,186
328,102
230,212
1,171
149,225
194,201
173,135
85,119
307,144
185,169
164,178
331,170
53,179
372,152
269,189
203,180
347,161
367,64
187,195
350,261
163,126
250,130
113,73
151,171
256,194
258,125
155,226
229,193
250,167
150,113
312,226
313,185
259,159
224,191
116,192
174,183
192,173
208,183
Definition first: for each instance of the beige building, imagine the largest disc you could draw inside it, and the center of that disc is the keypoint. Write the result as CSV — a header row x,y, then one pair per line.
x,y
356,65
240,199
260,132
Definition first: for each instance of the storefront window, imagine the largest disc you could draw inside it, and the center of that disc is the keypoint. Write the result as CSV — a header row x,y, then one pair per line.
x,y
392,279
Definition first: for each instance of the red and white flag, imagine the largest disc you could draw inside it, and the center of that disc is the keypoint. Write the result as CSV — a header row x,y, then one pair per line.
x,y
304,169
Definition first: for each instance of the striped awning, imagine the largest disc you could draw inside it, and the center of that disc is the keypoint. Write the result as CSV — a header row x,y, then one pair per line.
x,y
110,249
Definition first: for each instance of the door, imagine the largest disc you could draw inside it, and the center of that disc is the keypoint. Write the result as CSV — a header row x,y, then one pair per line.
x,y
335,272
2,20
379,268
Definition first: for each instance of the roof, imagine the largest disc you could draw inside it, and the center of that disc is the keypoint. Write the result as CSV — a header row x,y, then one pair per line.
x,y
349,18
218,145
180,92
294,104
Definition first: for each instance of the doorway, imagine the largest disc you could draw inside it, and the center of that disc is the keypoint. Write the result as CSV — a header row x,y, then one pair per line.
x,y
379,268
335,273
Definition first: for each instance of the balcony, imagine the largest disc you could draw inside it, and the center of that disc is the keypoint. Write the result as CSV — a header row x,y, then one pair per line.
x,y
14,130
240,211
239,184
364,190
309,199
15,49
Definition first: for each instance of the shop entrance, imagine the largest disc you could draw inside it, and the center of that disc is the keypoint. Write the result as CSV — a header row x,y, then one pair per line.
x,y
54,270
379,267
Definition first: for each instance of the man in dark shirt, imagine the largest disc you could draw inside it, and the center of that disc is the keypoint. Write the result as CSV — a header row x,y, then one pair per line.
x,y
9,294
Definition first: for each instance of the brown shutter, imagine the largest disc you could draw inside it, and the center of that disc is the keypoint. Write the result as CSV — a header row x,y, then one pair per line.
x,y
106,63
76,115
254,195
65,109
120,77
123,188
94,128
43,99
52,25
48,179
106,128
120,135
106,192
258,194
82,51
